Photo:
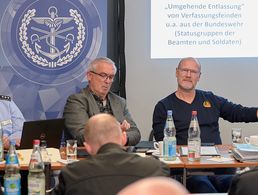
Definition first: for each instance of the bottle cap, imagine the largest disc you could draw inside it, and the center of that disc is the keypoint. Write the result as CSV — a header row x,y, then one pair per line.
x,y
43,143
194,112
36,142
12,142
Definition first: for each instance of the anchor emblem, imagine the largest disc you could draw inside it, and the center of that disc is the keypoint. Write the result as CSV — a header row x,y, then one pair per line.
x,y
54,23
50,33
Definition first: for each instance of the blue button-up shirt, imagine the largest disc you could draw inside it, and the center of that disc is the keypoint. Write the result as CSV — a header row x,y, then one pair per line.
x,y
11,118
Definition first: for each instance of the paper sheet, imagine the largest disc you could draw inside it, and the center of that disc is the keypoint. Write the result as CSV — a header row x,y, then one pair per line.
x,y
171,162
220,159
205,151
24,155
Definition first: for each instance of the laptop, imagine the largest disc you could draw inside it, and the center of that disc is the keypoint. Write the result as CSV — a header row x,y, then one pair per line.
x,y
144,146
50,130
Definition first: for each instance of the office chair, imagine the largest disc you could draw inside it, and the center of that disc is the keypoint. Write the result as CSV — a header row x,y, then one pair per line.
x,y
151,136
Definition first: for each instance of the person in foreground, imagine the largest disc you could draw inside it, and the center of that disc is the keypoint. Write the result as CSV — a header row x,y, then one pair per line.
x,y
210,108
154,186
245,183
109,168
11,121
97,98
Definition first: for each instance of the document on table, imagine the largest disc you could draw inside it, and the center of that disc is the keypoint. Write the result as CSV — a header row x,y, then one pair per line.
x,y
205,151
24,155
171,162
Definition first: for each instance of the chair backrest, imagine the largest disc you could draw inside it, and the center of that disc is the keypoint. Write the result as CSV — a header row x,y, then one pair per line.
x,y
151,136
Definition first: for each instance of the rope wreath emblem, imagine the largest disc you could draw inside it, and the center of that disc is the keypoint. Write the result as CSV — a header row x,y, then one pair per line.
x,y
37,55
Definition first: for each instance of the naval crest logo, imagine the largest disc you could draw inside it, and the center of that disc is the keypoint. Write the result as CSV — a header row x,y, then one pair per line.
x,y
50,41
56,56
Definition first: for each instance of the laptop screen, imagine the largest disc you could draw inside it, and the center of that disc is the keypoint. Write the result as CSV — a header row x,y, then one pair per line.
x,y
50,130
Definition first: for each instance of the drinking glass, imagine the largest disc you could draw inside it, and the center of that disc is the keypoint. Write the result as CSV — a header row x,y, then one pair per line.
x,y
71,150
236,135
62,150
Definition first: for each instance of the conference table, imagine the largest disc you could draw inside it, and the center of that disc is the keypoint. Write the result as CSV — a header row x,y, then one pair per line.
x,y
183,163
223,150
209,162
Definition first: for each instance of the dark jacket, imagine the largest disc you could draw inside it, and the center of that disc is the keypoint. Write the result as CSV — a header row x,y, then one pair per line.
x,y
245,183
107,172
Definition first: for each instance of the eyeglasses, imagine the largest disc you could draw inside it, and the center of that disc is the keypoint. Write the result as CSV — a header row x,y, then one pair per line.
x,y
186,70
104,76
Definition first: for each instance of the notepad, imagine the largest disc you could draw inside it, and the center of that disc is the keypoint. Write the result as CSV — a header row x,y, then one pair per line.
x,y
242,156
205,151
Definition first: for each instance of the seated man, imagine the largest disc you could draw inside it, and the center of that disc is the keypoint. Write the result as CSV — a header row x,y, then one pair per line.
x,y
154,186
110,168
210,108
11,120
97,98
245,183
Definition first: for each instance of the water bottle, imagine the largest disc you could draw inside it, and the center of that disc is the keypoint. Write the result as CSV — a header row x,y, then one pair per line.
x,y
169,140
12,177
47,164
1,144
194,139
36,177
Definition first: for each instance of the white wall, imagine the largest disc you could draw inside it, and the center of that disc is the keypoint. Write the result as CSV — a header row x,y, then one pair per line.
x,y
150,80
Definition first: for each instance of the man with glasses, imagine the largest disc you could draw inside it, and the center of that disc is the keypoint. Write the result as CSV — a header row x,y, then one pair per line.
x,y
210,108
97,98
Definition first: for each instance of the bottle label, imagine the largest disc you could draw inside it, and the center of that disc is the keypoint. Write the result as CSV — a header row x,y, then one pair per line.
x,y
12,159
1,151
170,148
36,186
194,150
12,185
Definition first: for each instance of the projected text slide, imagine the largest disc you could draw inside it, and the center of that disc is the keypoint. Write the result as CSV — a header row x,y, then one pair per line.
x,y
181,28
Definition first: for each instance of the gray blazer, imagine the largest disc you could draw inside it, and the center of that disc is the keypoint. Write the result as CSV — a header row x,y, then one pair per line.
x,y
81,106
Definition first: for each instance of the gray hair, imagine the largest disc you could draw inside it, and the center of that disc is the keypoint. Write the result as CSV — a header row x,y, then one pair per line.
x,y
93,65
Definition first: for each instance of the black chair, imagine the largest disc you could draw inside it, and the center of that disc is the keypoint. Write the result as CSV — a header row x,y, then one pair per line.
x,y
151,136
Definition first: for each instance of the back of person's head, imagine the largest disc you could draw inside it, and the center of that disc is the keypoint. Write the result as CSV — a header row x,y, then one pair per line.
x,y
154,186
101,129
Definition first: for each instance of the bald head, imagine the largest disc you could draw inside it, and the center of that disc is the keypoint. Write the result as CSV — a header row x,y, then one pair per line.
x,y
190,60
155,186
101,129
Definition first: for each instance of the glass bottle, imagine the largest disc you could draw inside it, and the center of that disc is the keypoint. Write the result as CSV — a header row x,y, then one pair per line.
x,y
47,164
169,140
12,177
194,139
36,177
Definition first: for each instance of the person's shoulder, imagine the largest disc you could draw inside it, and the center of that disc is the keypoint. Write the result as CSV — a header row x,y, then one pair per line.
x,y
167,98
253,173
115,96
72,167
207,94
199,91
149,161
82,93
5,98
